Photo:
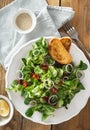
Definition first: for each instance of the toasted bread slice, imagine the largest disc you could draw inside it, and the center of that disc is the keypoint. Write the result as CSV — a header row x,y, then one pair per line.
x,y
58,51
66,41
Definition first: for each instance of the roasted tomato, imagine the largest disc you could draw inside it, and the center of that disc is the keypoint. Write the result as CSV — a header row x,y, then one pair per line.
x,y
25,84
53,90
44,67
35,76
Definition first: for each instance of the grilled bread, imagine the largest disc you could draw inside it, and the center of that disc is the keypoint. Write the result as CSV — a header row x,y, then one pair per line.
x,y
66,41
58,51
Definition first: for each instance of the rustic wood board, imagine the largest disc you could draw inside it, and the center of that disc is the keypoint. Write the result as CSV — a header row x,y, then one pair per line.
x,y
53,2
3,3
81,21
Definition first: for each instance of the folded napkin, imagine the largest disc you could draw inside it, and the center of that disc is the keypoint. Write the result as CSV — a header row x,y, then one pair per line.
x,y
49,20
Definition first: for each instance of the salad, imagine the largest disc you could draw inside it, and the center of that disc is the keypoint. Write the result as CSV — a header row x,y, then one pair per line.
x,y
45,84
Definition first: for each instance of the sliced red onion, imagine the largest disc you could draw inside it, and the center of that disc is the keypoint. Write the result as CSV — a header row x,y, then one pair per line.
x,y
47,82
53,99
67,68
19,74
65,78
33,103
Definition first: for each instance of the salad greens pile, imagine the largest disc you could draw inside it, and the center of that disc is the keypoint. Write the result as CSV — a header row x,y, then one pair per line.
x,y
45,84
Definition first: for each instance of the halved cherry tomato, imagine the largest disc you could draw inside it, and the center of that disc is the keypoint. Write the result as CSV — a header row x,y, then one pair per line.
x,y
45,98
44,67
25,84
35,76
53,90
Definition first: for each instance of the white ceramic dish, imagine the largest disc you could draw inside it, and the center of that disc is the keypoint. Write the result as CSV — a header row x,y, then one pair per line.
x,y
5,120
33,19
61,114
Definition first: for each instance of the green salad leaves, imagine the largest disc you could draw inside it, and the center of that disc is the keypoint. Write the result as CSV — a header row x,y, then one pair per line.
x,y
45,84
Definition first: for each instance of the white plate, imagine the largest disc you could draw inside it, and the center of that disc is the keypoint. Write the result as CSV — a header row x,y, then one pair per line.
x,y
61,114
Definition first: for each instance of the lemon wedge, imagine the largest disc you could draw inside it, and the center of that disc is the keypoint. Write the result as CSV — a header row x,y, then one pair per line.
x,y
4,108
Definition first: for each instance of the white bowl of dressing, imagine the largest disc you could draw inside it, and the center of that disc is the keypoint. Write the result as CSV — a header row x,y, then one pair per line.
x,y
6,110
24,21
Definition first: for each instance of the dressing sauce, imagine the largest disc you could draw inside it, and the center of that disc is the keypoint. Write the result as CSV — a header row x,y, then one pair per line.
x,y
4,108
24,21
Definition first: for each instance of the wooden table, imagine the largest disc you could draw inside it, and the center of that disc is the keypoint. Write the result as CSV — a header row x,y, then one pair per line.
x,y
81,21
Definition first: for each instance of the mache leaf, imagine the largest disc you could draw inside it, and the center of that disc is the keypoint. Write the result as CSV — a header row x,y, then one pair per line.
x,y
82,65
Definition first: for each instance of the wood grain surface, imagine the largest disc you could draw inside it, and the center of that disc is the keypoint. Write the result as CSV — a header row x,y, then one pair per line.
x,y
53,2
81,21
3,3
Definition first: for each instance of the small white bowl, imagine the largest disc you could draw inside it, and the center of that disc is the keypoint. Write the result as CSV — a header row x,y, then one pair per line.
x,y
5,120
30,15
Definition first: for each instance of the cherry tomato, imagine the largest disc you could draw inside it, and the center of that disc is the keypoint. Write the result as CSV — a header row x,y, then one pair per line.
x,y
44,67
35,76
25,84
46,98
53,90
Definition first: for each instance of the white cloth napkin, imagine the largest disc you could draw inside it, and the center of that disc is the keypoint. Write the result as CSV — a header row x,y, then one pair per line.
x,y
49,20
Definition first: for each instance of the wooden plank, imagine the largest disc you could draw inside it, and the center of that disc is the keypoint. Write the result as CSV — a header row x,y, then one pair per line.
x,y
29,125
15,123
81,21
4,3
2,80
53,2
